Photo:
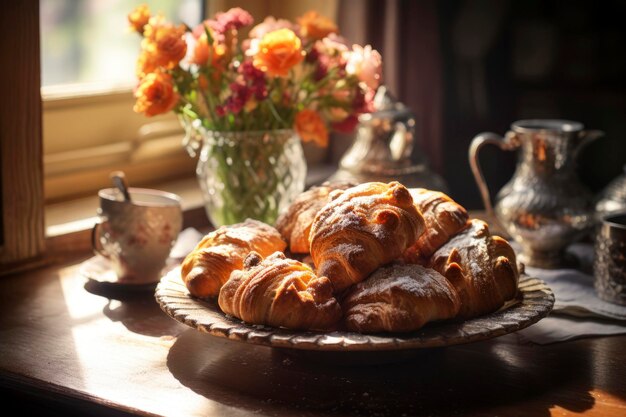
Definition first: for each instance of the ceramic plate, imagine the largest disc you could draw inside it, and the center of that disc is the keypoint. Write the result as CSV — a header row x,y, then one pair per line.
x,y
534,302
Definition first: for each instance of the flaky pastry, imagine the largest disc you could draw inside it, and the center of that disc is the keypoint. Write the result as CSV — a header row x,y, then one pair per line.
x,y
399,298
480,266
295,223
280,292
443,217
222,251
361,229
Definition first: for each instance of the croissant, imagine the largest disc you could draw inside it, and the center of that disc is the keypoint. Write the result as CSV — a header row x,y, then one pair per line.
x,y
399,298
295,223
277,291
222,251
361,229
443,217
481,267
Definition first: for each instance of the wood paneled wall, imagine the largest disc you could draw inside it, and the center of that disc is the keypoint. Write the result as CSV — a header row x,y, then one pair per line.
x,y
20,135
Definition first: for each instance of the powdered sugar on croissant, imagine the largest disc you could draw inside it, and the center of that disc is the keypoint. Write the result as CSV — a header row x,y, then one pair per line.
x,y
361,229
295,223
444,218
280,292
481,267
399,298
222,251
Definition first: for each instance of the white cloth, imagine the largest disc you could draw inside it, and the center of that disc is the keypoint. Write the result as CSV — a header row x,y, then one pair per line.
x,y
558,328
578,312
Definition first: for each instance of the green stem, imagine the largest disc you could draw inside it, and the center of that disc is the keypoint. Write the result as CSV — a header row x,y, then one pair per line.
x,y
275,114
251,171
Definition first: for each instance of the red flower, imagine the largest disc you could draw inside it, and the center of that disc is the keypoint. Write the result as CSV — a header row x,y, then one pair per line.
x,y
347,125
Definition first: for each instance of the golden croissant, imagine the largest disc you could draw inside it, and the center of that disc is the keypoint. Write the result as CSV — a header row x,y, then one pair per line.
x,y
295,223
222,251
361,229
444,218
481,267
399,298
280,292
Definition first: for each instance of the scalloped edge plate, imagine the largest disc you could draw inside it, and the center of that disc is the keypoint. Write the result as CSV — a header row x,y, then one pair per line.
x,y
534,302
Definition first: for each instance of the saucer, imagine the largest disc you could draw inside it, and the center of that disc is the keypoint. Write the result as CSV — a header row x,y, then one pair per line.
x,y
100,270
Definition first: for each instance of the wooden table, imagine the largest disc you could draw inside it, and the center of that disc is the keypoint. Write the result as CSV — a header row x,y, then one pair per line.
x,y
71,348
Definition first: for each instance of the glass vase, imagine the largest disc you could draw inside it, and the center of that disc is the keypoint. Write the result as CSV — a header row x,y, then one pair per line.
x,y
251,174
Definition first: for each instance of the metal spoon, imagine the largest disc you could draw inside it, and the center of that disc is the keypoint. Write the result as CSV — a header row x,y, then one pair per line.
x,y
119,180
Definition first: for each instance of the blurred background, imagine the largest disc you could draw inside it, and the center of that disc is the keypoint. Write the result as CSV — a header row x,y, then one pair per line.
x,y
470,66
463,67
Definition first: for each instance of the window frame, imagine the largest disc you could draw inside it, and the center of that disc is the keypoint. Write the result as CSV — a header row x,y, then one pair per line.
x,y
101,120
22,242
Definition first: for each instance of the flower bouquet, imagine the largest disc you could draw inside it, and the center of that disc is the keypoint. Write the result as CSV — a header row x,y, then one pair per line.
x,y
246,103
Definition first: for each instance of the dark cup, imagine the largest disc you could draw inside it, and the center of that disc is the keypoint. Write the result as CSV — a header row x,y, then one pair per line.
x,y
610,259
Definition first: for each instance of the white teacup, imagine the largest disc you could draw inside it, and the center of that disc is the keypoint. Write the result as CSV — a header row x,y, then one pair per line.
x,y
137,235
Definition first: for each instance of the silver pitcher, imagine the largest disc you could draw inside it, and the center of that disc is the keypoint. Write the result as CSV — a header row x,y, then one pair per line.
x,y
544,207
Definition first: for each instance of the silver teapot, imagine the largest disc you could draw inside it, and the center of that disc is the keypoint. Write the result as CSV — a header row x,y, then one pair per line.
x,y
385,150
544,207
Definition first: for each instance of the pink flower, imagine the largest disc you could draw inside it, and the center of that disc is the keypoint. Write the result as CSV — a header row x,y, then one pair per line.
x,y
334,44
332,50
366,63
328,53
235,18
209,24
269,25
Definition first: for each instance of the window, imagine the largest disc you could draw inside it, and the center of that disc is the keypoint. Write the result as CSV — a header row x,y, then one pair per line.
x,y
88,57
87,42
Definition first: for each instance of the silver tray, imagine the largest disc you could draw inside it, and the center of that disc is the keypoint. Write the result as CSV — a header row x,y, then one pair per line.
x,y
534,301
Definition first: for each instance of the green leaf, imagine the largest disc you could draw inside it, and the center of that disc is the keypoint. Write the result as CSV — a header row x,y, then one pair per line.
x,y
208,34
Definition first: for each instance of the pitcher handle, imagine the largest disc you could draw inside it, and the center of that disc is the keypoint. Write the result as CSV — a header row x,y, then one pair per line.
x,y
507,143
585,137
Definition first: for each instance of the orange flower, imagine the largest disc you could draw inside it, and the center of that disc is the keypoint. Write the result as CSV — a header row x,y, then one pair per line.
x,y
202,51
165,42
145,64
155,94
203,82
311,127
139,18
154,22
315,26
278,52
